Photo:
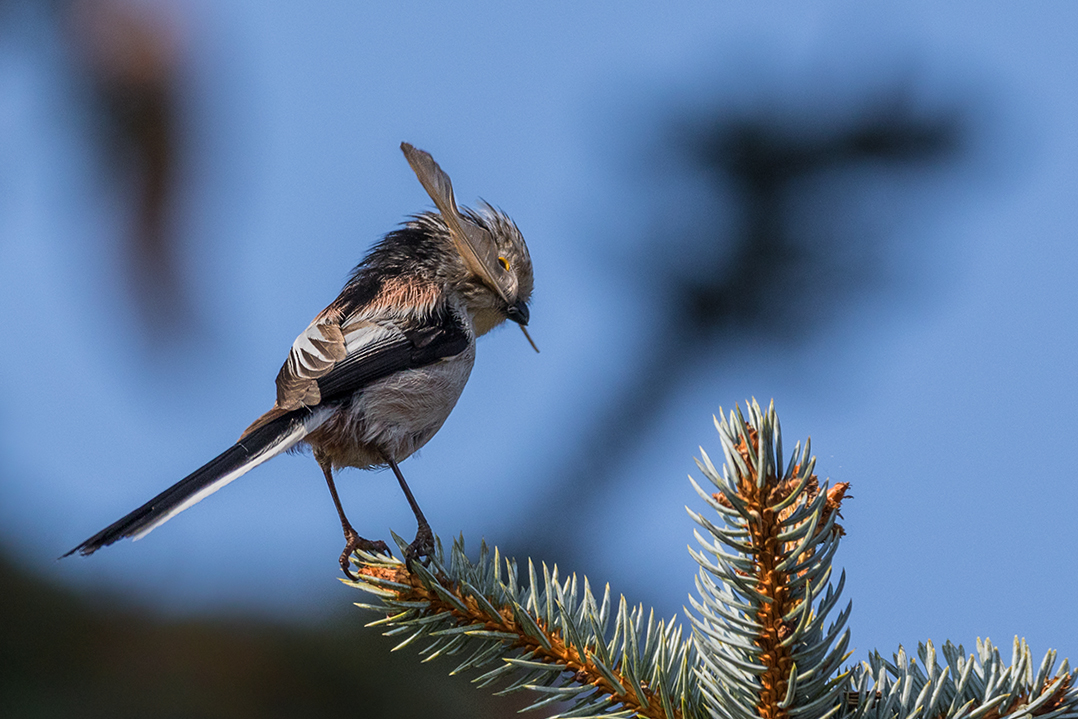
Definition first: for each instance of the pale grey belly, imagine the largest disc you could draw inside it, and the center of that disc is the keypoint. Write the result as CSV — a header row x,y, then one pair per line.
x,y
395,416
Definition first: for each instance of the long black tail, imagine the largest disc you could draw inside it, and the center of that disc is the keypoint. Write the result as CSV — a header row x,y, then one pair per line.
x,y
263,443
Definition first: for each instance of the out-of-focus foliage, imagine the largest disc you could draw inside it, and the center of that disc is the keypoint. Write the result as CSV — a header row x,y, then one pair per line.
x,y
65,655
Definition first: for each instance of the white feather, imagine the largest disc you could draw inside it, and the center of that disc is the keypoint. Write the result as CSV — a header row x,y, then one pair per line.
x,y
283,444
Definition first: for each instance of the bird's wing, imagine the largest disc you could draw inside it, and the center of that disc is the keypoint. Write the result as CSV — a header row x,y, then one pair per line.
x,y
375,350
314,354
335,357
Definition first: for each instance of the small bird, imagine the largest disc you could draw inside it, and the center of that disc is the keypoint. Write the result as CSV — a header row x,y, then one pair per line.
x,y
378,371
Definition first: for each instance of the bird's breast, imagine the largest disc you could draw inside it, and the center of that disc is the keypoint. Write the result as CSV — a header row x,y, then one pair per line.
x,y
394,416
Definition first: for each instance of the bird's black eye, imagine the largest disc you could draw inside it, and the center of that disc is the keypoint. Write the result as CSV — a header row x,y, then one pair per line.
x,y
504,262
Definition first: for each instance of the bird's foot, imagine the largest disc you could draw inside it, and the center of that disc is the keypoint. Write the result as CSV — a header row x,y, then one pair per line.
x,y
353,542
421,546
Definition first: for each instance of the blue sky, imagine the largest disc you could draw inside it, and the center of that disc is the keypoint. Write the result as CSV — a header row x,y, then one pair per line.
x,y
947,399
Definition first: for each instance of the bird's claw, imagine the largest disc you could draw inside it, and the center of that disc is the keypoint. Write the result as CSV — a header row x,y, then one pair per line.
x,y
354,542
421,546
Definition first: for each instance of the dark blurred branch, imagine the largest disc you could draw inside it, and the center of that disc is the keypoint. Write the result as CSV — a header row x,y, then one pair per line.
x,y
776,278
774,264
132,59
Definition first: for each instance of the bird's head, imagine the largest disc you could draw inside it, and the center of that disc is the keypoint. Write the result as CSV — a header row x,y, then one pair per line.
x,y
508,300
496,281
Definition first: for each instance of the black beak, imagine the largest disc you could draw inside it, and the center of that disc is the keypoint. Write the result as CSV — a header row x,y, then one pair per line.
x,y
518,313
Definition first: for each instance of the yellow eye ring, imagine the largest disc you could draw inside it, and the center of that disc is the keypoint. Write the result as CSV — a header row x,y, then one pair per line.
x,y
504,262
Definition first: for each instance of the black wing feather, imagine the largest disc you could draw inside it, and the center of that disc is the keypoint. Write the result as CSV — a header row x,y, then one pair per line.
x,y
421,345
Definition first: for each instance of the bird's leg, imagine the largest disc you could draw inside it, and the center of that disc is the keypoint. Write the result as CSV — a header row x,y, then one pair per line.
x,y
351,537
423,545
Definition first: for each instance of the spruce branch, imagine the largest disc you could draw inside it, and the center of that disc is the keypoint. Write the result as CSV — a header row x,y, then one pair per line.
x,y
761,646
974,686
764,578
551,636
